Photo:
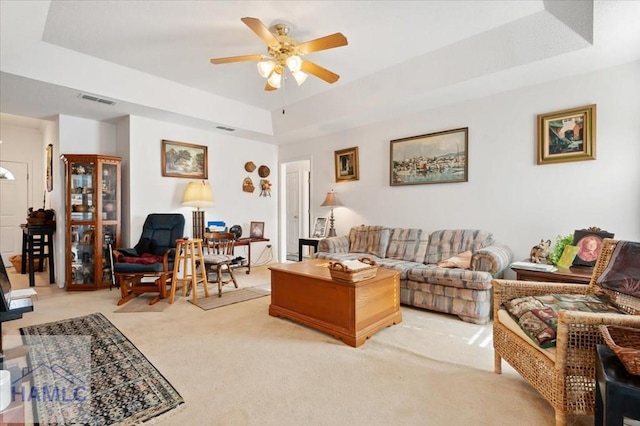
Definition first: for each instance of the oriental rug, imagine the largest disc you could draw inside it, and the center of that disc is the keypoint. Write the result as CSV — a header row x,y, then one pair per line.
x,y
232,296
85,371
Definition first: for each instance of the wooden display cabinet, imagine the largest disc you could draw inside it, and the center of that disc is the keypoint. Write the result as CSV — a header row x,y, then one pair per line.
x,y
92,226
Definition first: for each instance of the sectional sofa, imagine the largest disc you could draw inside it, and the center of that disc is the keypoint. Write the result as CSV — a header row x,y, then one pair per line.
x,y
415,253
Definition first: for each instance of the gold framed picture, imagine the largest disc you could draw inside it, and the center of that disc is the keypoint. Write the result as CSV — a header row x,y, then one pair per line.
x,y
347,164
184,160
567,135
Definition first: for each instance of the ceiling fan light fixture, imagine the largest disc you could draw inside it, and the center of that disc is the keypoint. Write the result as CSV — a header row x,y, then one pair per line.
x,y
275,80
266,67
299,76
294,63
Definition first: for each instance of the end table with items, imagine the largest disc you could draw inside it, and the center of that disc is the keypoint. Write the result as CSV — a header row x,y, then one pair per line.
x,y
573,275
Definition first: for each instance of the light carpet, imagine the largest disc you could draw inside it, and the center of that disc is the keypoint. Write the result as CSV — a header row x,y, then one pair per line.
x,y
240,366
230,297
141,304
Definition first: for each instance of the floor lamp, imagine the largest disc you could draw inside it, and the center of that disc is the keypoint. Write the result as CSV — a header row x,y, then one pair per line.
x,y
331,201
198,194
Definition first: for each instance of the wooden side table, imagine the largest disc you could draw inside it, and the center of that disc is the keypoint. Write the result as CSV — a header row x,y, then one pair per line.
x,y
574,275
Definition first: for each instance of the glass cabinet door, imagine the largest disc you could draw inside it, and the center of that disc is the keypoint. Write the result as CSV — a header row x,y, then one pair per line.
x,y
83,204
82,254
109,192
109,233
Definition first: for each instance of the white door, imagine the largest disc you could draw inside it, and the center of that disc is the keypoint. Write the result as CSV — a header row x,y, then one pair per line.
x,y
293,211
13,208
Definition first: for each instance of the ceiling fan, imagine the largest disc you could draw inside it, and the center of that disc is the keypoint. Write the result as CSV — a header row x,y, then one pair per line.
x,y
285,53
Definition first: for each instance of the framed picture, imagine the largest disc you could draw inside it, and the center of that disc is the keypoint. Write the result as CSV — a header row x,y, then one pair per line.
x,y
568,135
320,227
589,243
256,230
49,167
184,160
433,158
347,164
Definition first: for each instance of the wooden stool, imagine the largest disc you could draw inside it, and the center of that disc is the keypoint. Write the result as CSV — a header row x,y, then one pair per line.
x,y
188,257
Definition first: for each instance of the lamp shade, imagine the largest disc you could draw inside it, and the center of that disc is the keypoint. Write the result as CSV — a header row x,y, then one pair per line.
x,y
198,194
331,200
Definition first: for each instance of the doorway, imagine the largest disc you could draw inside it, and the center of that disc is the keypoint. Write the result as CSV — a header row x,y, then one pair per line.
x,y
295,206
14,196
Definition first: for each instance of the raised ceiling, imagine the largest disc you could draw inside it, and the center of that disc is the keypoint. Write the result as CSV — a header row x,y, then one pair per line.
x,y
152,58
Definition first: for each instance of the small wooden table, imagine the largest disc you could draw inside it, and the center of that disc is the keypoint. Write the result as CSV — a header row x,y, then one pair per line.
x,y
305,292
311,242
573,275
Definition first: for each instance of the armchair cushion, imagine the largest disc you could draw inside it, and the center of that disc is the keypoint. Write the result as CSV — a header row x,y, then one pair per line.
x,y
538,315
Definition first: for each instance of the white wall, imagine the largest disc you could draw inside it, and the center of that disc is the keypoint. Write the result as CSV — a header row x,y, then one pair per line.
x,y
150,192
507,193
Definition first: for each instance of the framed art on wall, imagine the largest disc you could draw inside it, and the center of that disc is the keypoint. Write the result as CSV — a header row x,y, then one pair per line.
x,y
433,158
184,160
256,230
320,227
346,161
589,242
49,167
568,135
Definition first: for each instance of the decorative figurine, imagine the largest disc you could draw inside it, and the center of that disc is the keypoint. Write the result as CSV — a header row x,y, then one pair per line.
x,y
540,251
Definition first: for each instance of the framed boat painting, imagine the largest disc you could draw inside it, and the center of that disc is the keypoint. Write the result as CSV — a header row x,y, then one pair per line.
x,y
433,158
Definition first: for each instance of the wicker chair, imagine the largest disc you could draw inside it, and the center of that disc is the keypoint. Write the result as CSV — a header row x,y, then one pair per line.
x,y
568,381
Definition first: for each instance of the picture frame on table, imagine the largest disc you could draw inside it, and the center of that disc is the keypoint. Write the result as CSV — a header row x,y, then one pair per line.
x,y
567,135
440,157
346,164
320,227
256,230
589,242
184,160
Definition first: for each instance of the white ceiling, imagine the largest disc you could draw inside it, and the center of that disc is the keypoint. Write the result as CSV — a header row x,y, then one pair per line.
x,y
152,57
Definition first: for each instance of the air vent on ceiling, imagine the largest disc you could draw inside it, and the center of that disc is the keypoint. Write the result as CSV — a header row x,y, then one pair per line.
x,y
95,98
228,129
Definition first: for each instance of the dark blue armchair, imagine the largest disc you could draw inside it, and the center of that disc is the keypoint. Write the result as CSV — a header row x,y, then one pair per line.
x,y
153,256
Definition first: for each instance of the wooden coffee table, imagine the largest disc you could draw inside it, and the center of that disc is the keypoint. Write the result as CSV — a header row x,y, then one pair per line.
x,y
305,293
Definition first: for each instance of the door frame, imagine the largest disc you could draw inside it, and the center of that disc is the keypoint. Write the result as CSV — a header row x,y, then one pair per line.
x,y
305,186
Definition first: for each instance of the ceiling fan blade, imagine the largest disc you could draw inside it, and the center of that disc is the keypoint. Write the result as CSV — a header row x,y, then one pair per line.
x,y
320,72
269,87
323,43
261,30
218,61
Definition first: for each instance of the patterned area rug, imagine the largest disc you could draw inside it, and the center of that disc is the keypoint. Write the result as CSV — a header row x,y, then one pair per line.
x,y
85,371
232,296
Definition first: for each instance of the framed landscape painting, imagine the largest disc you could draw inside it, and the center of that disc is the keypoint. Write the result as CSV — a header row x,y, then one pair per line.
x,y
433,158
568,135
184,160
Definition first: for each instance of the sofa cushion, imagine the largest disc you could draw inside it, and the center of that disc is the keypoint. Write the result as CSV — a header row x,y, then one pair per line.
x,y
408,244
369,239
538,315
448,242
462,261
401,266
339,257
460,278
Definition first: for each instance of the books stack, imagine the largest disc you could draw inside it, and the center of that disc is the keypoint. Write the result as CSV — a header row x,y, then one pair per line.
x,y
533,266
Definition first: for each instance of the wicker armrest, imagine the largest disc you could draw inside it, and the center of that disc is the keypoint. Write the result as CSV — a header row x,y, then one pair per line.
x,y
504,290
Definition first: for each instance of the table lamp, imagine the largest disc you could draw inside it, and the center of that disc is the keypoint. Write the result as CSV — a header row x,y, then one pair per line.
x,y
198,194
331,201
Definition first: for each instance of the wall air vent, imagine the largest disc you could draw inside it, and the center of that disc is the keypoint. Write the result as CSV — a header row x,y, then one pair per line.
x,y
228,129
95,98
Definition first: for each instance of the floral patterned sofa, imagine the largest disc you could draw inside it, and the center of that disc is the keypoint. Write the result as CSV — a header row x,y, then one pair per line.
x,y
415,253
